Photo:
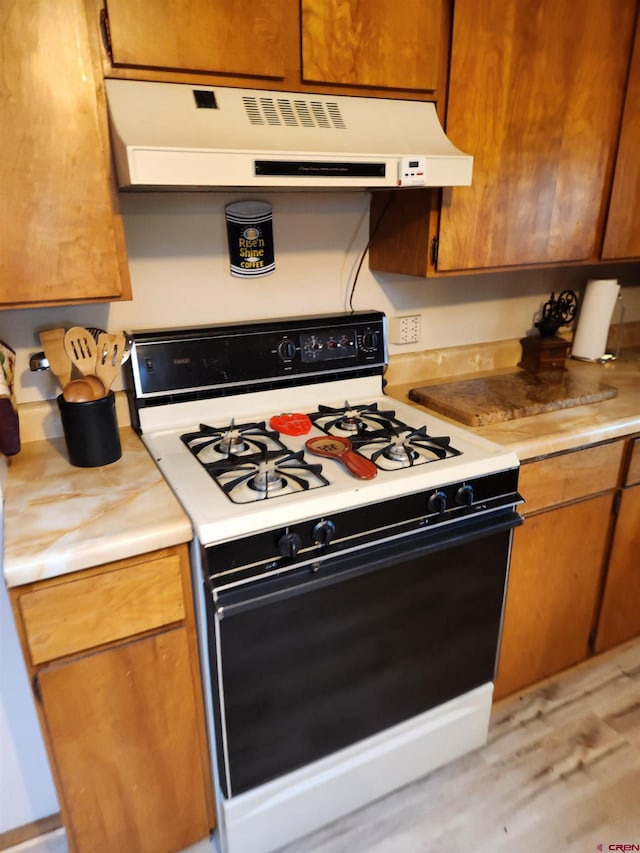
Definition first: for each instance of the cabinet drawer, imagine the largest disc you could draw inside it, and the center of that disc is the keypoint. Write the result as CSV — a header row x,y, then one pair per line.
x,y
569,476
633,471
87,612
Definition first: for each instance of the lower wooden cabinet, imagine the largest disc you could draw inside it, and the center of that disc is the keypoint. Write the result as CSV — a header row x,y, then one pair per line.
x,y
620,612
122,716
558,563
554,583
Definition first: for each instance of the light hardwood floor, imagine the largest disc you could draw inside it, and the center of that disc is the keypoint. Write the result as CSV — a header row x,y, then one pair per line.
x,y
560,772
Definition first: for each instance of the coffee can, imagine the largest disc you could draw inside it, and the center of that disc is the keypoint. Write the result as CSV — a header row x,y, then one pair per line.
x,y
250,236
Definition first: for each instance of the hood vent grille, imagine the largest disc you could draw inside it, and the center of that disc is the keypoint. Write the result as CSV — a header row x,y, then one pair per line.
x,y
293,112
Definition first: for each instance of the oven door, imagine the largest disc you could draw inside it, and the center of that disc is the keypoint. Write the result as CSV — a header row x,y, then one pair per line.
x,y
316,659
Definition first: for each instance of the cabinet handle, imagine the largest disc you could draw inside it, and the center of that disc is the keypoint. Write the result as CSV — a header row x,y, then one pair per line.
x,y
106,33
433,251
35,683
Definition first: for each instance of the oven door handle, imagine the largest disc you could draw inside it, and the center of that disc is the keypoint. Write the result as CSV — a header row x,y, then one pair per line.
x,y
357,562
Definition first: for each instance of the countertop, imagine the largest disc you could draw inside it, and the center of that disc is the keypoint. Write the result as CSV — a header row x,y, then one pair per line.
x,y
549,432
60,519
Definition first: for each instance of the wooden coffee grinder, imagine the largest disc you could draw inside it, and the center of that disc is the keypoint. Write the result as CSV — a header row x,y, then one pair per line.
x,y
548,351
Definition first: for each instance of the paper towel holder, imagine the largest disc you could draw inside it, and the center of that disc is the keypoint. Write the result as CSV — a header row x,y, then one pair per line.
x,y
607,356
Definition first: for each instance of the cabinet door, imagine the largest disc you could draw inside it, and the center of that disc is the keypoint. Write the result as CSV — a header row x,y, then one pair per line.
x,y
620,612
62,237
125,748
225,36
552,593
622,236
374,44
535,94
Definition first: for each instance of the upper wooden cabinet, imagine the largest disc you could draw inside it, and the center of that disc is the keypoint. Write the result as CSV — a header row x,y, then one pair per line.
x,y
622,236
536,93
307,46
223,36
373,44
62,236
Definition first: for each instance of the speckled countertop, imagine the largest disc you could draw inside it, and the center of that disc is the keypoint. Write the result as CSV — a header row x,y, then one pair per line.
x,y
538,434
59,519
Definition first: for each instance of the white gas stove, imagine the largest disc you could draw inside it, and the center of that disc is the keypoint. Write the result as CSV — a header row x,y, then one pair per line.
x,y
349,563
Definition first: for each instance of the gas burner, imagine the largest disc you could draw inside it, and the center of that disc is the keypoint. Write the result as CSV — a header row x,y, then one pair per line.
x,y
353,420
213,444
266,479
400,451
392,448
246,479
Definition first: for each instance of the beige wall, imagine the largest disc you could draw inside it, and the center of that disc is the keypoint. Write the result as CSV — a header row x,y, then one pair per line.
x,y
180,274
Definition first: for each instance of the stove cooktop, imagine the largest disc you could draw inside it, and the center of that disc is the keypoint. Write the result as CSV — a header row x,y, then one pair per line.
x,y
217,518
203,401
251,462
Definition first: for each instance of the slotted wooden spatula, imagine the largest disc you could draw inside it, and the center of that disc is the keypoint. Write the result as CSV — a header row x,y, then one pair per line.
x,y
81,349
109,357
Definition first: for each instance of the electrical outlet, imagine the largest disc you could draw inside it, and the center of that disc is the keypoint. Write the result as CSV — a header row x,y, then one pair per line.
x,y
404,330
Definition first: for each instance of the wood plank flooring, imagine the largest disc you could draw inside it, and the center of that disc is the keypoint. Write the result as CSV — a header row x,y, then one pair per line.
x,y
560,772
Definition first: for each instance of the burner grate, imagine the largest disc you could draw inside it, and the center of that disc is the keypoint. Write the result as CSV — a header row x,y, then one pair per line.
x,y
250,463
271,474
393,448
213,444
351,421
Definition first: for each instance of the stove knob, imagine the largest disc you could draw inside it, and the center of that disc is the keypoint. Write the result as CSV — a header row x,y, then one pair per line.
x,y
369,341
437,502
323,532
464,495
286,349
289,544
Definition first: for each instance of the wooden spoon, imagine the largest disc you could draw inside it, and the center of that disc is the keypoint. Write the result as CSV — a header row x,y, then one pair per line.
x,y
52,341
111,350
81,349
97,386
78,391
337,447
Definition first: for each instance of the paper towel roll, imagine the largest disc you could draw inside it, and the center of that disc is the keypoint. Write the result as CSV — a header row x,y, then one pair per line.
x,y
598,302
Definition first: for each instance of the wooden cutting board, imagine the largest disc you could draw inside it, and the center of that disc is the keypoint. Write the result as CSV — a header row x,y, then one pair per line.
x,y
493,399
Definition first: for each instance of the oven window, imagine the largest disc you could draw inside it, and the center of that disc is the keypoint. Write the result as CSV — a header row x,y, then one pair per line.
x,y
305,673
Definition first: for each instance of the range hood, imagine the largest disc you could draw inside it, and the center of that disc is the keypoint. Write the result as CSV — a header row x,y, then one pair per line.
x,y
173,136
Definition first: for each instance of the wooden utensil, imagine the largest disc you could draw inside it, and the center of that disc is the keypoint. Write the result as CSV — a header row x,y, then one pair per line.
x,y
78,391
81,349
52,341
337,447
110,348
97,386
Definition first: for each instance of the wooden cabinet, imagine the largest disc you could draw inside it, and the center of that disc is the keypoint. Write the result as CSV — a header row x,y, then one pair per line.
x,y
536,94
62,235
220,36
620,612
113,657
557,564
307,46
622,235
375,44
